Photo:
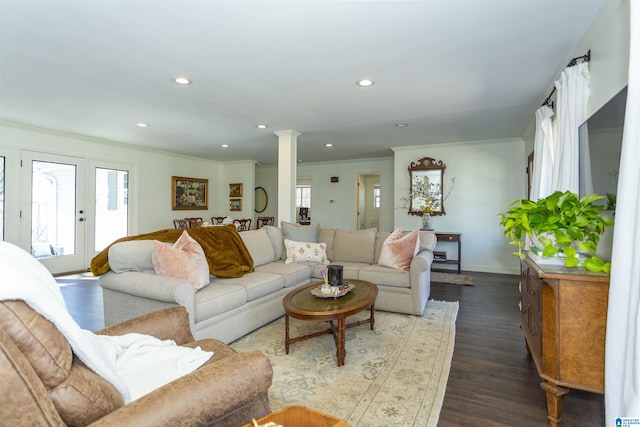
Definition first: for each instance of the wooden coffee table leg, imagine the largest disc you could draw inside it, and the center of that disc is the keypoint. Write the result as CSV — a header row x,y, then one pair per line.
x,y
341,352
286,333
372,317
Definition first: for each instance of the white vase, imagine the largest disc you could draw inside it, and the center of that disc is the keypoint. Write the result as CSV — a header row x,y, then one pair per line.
x,y
426,222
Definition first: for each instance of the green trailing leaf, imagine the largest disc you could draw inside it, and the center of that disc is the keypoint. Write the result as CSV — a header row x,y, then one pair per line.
x,y
572,261
573,223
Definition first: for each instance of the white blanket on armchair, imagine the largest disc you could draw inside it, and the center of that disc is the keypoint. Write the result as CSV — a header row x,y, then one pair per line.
x,y
135,364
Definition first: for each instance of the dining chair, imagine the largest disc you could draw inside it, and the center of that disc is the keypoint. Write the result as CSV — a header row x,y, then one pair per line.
x,y
217,219
243,224
265,220
194,222
181,224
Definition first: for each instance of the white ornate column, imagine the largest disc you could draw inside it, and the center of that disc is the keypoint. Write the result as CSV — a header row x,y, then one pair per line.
x,y
287,171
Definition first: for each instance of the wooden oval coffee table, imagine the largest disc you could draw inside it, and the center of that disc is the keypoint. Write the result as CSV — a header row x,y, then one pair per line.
x,y
301,304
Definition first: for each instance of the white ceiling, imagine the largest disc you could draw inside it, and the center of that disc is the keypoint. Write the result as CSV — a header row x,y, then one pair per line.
x,y
453,70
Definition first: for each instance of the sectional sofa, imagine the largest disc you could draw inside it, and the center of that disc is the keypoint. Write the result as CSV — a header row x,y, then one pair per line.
x,y
229,308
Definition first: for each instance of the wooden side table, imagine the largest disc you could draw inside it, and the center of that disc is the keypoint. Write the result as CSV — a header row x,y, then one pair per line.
x,y
301,416
450,237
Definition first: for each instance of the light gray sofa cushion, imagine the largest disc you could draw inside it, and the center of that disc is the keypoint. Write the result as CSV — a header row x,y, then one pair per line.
x,y
350,270
354,245
218,298
275,235
293,274
381,236
132,255
259,246
257,284
300,233
389,276
327,235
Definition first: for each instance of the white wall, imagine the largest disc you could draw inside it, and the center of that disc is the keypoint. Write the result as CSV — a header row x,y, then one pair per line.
x,y
489,175
608,39
151,186
340,213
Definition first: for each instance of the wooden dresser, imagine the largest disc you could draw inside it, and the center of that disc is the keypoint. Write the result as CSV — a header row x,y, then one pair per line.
x,y
564,315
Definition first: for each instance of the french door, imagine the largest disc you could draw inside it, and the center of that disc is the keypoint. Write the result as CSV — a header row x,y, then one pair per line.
x,y
69,211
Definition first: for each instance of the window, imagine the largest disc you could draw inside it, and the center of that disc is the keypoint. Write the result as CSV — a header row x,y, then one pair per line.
x,y
376,196
112,206
303,196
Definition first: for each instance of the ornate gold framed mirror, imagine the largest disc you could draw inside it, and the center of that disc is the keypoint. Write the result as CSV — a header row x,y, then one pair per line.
x,y
426,177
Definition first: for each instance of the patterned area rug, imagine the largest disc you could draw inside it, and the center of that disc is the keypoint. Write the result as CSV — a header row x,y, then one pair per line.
x,y
395,375
453,278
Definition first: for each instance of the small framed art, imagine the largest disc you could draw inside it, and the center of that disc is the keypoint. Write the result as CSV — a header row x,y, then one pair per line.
x,y
189,193
235,204
235,190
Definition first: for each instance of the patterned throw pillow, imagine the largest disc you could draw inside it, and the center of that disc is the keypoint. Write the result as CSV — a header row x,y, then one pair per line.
x,y
305,252
184,260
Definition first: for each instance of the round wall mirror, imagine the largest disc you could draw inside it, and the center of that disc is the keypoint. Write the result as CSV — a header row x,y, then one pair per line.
x,y
262,200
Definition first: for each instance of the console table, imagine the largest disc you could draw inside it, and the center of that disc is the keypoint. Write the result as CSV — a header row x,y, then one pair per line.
x,y
450,237
564,317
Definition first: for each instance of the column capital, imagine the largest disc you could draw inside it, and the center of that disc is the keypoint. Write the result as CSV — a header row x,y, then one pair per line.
x,y
291,132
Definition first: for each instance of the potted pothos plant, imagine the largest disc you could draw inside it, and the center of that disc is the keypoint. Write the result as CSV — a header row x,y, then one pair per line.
x,y
560,225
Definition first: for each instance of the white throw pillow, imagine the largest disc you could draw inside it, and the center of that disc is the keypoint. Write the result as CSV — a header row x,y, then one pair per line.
x,y
305,252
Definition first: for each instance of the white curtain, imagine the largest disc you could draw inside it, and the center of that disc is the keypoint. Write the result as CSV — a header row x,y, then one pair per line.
x,y
622,370
544,150
572,101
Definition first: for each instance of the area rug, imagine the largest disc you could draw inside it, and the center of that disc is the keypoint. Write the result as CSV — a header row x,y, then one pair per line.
x,y
453,278
395,375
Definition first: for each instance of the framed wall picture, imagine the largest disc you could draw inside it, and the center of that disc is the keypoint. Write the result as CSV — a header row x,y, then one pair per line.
x,y
235,190
235,204
189,193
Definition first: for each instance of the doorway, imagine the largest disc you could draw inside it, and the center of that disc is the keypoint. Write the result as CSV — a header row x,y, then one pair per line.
x,y
368,201
69,214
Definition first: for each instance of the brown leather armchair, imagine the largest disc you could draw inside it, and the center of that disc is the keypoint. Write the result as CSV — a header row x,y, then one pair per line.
x,y
45,384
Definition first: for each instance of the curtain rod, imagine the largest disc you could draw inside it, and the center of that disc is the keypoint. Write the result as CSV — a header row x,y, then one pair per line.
x,y
585,58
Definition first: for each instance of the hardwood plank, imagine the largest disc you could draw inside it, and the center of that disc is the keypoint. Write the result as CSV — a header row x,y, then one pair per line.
x,y
493,381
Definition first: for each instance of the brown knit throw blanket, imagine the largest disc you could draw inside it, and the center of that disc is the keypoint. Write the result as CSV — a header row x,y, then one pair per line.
x,y
226,253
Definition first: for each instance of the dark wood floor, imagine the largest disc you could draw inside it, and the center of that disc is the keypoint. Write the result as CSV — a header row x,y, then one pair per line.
x,y
493,381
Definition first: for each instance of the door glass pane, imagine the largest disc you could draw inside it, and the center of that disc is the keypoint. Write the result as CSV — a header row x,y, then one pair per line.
x,y
2,197
53,207
112,192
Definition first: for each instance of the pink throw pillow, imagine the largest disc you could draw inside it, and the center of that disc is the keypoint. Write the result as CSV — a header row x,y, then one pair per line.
x,y
184,260
398,250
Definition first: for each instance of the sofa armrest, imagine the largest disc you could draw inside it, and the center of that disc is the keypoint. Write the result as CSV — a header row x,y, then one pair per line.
x,y
422,261
171,323
209,393
145,285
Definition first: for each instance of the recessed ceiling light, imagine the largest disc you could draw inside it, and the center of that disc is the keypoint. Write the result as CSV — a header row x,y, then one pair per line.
x,y
262,126
182,81
401,125
142,125
365,83
328,145
225,145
